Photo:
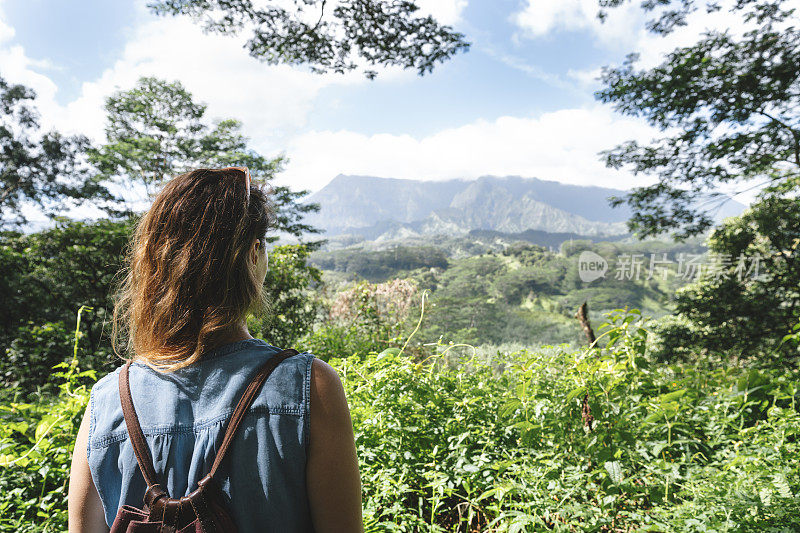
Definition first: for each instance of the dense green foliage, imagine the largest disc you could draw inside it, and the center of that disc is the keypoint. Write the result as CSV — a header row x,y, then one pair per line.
x,y
597,439
36,444
739,312
293,310
44,273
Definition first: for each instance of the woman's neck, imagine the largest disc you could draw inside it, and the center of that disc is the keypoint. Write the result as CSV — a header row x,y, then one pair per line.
x,y
239,334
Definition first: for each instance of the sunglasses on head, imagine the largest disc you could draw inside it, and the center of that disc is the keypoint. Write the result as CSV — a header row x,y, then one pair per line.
x,y
246,172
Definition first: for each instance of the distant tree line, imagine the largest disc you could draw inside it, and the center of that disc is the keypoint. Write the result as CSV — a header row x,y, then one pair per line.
x,y
380,265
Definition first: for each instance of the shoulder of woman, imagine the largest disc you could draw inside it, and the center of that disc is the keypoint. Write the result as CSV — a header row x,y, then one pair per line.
x,y
324,378
325,383
328,403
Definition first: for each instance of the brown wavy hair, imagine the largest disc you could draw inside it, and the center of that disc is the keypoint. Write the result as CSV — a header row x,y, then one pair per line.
x,y
187,279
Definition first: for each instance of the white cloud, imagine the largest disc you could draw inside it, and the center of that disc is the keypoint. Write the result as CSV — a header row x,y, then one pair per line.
x,y
540,18
17,67
532,70
270,100
560,145
6,32
444,11
585,78
624,29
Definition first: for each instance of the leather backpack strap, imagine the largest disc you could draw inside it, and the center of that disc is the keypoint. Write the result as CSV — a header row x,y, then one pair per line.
x,y
245,402
140,448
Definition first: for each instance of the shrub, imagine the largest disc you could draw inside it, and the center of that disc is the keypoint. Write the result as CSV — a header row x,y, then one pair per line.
x,y
29,359
674,338
367,317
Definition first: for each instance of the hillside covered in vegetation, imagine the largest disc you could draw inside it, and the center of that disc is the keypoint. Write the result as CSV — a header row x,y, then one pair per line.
x,y
494,291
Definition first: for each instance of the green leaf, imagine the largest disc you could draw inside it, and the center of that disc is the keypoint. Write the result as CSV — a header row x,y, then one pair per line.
x,y
388,352
672,396
614,469
575,393
652,417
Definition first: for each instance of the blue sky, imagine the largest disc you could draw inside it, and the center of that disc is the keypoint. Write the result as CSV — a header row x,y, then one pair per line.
x,y
519,102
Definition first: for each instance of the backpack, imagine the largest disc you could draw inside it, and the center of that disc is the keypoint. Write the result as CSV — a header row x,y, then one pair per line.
x,y
206,509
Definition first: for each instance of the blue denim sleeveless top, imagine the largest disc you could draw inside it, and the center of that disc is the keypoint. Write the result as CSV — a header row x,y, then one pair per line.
x,y
183,415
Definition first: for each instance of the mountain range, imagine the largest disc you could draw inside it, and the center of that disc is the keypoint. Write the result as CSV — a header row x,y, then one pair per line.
x,y
380,209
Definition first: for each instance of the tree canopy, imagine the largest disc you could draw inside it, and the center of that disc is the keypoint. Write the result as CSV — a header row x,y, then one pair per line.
x,y
43,168
156,130
328,36
734,102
